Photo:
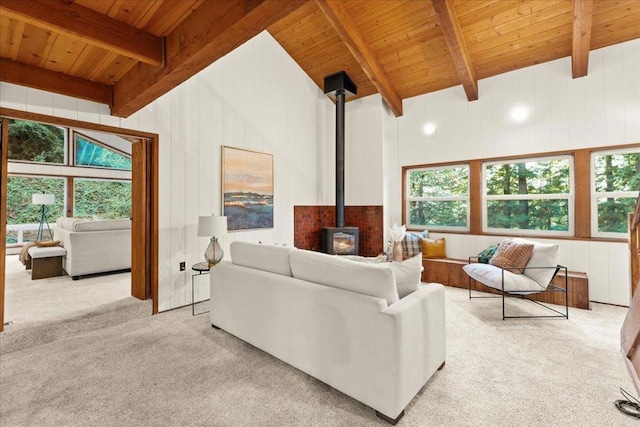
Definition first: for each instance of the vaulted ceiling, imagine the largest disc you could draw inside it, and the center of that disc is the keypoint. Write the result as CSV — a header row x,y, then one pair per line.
x,y
127,53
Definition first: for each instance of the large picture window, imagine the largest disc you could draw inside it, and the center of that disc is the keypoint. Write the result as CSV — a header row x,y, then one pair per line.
x,y
530,195
23,217
105,199
438,198
615,184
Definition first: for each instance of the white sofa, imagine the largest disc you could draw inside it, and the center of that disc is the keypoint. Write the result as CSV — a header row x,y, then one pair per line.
x,y
94,246
338,320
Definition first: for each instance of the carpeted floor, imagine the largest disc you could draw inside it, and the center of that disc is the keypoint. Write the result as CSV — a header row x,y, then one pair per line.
x,y
45,300
175,370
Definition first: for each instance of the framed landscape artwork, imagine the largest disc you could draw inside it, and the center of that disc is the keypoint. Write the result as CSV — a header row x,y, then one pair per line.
x,y
247,188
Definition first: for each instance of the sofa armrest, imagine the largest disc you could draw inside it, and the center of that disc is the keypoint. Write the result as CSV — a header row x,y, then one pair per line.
x,y
411,344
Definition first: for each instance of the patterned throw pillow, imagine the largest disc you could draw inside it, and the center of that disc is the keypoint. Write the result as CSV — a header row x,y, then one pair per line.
x,y
486,255
512,254
411,243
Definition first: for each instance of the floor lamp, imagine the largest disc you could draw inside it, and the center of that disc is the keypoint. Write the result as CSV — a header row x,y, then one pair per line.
x,y
43,200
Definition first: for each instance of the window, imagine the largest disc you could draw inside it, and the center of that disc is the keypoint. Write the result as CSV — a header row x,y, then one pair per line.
x,y
438,197
106,199
36,142
532,195
615,183
23,218
91,153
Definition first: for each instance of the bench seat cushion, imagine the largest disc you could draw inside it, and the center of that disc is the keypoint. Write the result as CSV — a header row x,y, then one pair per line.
x,y
46,252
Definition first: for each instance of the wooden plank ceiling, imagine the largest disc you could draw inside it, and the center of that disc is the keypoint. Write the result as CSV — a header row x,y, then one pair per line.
x,y
126,53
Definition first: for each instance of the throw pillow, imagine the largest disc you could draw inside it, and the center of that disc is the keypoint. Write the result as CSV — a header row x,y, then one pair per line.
x,y
407,274
42,244
486,255
411,243
433,248
512,254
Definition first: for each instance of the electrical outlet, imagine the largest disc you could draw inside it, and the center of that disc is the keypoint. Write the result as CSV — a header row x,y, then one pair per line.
x,y
182,266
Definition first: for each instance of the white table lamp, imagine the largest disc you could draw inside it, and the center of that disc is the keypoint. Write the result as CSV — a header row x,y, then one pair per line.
x,y
43,199
213,227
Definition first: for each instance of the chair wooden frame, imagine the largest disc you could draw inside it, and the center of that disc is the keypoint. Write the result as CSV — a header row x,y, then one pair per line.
x,y
551,288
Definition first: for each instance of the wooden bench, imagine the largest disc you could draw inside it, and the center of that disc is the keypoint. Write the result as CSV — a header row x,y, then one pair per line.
x,y
448,271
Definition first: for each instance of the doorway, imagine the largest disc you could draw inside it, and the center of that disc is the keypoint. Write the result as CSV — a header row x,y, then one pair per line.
x,y
144,206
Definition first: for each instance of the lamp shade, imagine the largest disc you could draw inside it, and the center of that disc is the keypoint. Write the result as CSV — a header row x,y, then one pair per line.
x,y
209,226
43,199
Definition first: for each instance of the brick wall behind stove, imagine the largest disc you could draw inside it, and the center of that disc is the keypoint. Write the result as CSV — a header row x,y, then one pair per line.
x,y
309,220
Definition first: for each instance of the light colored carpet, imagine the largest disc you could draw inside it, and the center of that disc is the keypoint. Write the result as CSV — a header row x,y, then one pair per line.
x,y
174,369
48,300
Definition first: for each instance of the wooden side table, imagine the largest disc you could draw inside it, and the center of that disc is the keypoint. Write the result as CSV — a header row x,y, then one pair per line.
x,y
198,269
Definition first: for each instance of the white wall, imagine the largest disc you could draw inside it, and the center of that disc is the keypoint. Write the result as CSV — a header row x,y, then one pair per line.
x,y
255,97
600,109
258,98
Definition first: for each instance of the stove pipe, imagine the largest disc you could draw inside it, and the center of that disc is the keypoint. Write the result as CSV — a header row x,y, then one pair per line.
x,y
340,158
339,84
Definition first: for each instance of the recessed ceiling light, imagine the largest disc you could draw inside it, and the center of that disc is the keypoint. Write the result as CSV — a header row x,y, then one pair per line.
x,y
519,113
429,129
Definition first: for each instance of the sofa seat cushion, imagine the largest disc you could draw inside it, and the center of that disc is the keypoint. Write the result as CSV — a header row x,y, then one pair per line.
x,y
491,276
274,259
337,272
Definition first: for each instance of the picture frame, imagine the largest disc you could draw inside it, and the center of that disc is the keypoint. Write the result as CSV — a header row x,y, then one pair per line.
x,y
247,188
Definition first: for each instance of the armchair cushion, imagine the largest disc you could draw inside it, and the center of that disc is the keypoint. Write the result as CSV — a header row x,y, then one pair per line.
x,y
544,255
491,276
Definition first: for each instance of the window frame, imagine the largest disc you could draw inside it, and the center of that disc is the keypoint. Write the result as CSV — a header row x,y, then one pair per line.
x,y
570,197
409,199
594,195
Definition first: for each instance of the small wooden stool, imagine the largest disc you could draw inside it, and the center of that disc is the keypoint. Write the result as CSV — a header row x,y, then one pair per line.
x,y
46,261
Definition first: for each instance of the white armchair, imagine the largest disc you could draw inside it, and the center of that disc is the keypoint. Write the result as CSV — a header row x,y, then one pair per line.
x,y
522,280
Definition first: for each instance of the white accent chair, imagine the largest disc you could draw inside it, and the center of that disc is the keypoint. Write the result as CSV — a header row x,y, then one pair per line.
x,y
536,278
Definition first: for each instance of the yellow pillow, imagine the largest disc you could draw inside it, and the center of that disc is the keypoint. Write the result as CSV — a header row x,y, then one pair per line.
x,y
45,244
433,248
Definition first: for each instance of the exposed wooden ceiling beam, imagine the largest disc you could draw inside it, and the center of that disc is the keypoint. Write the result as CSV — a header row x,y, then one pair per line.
x,y
450,25
92,27
210,32
581,43
39,78
340,20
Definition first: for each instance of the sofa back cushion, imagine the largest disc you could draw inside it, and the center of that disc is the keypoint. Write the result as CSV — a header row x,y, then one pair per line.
x,y
408,274
88,224
104,225
337,272
274,259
